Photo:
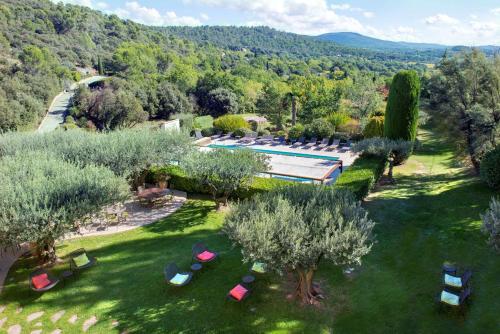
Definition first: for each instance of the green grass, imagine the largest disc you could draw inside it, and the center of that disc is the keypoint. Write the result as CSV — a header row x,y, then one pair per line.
x,y
430,216
204,122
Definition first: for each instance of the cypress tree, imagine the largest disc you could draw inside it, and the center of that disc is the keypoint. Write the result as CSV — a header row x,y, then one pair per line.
x,y
401,116
100,66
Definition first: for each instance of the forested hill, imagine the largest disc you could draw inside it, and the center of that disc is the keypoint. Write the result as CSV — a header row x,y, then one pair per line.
x,y
271,41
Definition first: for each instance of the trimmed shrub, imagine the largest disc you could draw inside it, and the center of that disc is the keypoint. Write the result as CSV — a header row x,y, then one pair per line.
x,y
208,132
320,128
362,176
242,132
338,119
230,123
374,127
401,116
491,223
490,168
296,131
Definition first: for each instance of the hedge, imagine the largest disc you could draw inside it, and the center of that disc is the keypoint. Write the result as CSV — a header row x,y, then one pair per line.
x,y
179,180
362,176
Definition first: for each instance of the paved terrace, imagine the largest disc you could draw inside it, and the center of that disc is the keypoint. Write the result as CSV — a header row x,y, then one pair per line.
x,y
298,166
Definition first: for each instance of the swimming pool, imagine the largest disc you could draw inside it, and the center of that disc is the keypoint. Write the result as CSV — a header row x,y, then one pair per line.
x,y
290,154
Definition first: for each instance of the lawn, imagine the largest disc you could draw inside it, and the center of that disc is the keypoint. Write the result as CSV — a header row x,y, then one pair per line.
x,y
430,216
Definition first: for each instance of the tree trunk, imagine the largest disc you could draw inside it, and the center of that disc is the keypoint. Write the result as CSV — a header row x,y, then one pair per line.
x,y
470,146
305,288
46,251
294,110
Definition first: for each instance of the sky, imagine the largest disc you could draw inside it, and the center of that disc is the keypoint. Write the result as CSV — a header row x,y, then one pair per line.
x,y
451,22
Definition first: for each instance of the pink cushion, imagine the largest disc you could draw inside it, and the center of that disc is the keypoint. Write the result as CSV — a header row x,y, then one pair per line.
x,y
40,281
205,256
238,292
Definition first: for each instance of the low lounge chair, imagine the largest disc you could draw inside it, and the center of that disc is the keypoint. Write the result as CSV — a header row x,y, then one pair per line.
x,y
41,280
279,141
239,293
249,137
175,277
202,254
218,134
323,144
299,142
313,142
198,135
334,145
79,260
229,135
453,299
265,140
258,268
457,282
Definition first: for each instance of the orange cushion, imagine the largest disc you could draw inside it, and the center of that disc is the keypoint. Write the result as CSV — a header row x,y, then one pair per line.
x,y
40,281
238,292
205,256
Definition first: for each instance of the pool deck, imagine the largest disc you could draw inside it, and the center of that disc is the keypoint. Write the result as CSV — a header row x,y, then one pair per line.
x,y
298,166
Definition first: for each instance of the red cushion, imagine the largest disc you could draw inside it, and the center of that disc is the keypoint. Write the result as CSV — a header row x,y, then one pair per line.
x,y
40,281
205,256
238,292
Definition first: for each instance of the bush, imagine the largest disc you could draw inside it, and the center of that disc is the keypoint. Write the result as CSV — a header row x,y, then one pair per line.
x,y
230,123
296,131
208,132
490,168
362,175
338,119
242,132
491,223
186,120
320,128
401,116
375,127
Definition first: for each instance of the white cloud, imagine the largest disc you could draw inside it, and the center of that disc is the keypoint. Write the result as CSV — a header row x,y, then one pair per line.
x,y
204,17
342,6
102,5
369,15
496,11
151,16
440,19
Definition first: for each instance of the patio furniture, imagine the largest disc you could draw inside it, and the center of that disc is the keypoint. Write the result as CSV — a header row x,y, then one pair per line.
x,y
279,141
449,268
334,145
259,268
79,260
457,282
175,277
198,135
248,279
202,254
239,293
265,140
196,266
218,134
451,298
312,143
299,142
249,137
323,144
229,135
41,280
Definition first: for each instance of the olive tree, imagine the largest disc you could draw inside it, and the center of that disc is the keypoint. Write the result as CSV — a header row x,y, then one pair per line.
x,y
43,196
294,228
394,151
225,171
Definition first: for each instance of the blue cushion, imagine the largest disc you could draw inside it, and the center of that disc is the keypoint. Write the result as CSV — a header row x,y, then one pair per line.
x,y
450,298
453,281
179,279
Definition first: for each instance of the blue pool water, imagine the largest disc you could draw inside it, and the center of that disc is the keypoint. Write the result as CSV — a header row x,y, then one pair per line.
x,y
290,154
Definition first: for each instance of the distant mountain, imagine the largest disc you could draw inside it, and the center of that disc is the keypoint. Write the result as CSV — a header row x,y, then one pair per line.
x,y
355,40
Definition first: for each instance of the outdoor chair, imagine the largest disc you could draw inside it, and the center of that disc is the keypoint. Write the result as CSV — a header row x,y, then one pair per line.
x,y
229,135
202,254
279,141
79,260
299,142
175,277
198,134
258,268
312,143
334,145
217,135
323,144
265,140
451,298
239,293
41,280
457,282
249,137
